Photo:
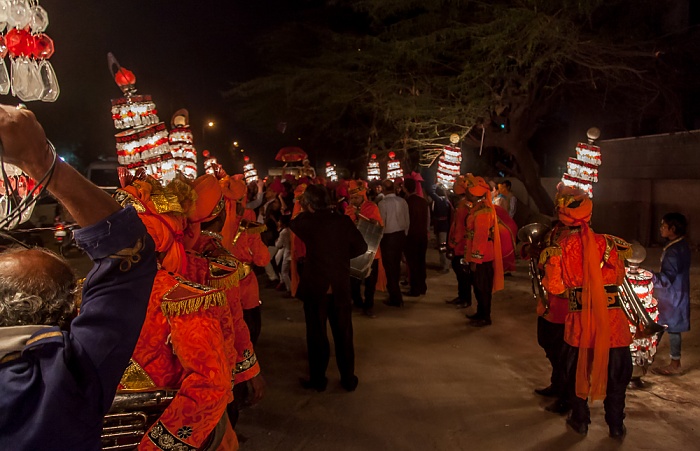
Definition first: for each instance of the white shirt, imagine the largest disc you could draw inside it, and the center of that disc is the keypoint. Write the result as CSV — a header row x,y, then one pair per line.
x,y
394,211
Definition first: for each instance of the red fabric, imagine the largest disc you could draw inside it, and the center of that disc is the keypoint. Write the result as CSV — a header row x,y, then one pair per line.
x,y
185,352
249,248
457,239
508,230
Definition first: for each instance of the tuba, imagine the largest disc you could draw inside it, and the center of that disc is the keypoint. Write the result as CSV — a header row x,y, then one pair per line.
x,y
534,234
634,308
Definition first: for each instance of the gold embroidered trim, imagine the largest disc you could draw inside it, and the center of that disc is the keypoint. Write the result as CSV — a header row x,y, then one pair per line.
x,y
129,256
225,282
218,236
53,334
166,440
10,357
250,360
549,252
136,378
624,249
124,199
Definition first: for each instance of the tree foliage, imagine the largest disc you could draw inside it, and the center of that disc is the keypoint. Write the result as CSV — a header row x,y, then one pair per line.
x,y
379,75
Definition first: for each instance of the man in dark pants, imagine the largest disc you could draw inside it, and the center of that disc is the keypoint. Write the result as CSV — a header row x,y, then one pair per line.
x,y
586,265
394,211
483,250
417,239
331,240
456,244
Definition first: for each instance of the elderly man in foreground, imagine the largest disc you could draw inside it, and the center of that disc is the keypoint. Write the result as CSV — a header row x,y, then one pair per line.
x,y
59,370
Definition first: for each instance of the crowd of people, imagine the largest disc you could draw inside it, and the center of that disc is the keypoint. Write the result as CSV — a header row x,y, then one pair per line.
x,y
173,299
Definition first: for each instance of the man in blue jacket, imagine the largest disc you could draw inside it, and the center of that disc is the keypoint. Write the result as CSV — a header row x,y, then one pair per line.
x,y
672,288
59,370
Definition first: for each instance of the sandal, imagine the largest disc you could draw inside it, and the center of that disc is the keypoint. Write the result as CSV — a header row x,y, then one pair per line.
x,y
667,371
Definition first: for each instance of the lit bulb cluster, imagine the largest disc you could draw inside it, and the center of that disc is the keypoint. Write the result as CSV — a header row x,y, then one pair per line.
x,y
331,173
373,171
134,111
183,152
449,166
393,167
644,349
33,77
249,172
582,171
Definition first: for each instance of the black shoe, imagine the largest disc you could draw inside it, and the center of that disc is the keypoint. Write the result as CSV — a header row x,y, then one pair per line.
x,y
636,384
579,428
349,384
480,322
464,305
549,392
559,407
369,313
473,316
618,431
458,301
319,385
411,294
393,304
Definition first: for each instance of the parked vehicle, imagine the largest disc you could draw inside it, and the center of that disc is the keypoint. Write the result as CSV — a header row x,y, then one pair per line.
x,y
63,234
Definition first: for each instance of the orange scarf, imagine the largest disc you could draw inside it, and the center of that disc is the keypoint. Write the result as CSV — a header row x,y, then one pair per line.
x,y
592,366
478,187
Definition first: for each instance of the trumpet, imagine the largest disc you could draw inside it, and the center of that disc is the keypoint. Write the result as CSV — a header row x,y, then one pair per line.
x,y
534,234
633,307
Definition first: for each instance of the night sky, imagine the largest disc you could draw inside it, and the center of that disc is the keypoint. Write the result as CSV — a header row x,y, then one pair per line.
x,y
183,53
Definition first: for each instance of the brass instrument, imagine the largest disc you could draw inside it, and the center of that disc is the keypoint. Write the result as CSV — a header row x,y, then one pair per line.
x,y
534,234
133,413
633,307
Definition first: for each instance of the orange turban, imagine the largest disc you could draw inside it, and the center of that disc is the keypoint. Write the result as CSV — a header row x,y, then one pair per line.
x,y
460,185
234,191
477,186
208,206
574,207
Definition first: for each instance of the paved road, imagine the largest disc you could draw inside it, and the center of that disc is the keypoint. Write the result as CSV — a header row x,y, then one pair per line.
x,y
428,381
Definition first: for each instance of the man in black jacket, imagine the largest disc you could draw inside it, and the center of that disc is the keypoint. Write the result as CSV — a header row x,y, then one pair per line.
x,y
331,240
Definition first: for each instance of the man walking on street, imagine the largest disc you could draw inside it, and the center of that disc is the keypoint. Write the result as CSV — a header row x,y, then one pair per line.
x,y
417,239
331,240
394,211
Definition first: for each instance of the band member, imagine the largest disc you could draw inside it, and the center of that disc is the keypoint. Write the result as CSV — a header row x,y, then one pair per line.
x,y
483,250
587,267
181,343
456,244
360,207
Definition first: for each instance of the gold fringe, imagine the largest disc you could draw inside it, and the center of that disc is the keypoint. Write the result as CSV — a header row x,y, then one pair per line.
x,y
224,282
549,252
256,229
191,305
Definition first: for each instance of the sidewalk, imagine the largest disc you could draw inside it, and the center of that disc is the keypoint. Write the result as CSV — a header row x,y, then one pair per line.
x,y
428,381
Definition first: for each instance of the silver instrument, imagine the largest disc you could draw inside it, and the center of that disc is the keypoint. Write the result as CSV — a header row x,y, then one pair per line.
x,y
372,232
133,413
634,309
534,234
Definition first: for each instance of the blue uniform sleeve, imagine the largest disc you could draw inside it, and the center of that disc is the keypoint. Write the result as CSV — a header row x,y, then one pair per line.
x,y
670,268
115,297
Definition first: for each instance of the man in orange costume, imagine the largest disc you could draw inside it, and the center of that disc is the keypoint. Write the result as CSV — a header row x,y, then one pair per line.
x,y
241,238
587,267
457,243
483,250
360,207
181,344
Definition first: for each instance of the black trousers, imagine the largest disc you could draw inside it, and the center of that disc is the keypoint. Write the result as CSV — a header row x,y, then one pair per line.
x,y
415,251
253,320
370,288
619,375
337,312
392,247
550,337
464,283
482,278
